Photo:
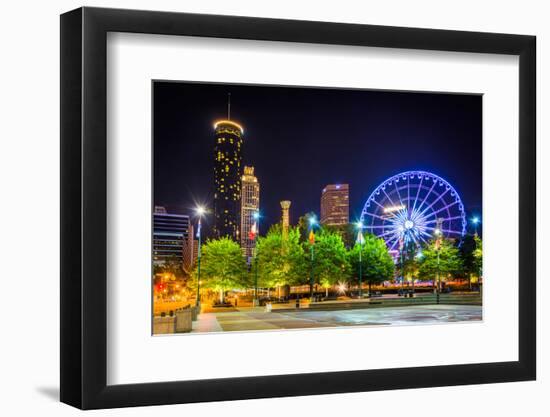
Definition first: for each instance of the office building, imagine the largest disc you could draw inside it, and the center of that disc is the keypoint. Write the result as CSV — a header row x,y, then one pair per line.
x,y
335,205
170,231
250,206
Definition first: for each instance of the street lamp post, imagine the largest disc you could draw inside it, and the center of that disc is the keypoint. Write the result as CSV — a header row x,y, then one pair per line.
x,y
419,257
312,222
200,212
311,279
438,249
255,275
438,276
401,248
402,272
256,216
360,240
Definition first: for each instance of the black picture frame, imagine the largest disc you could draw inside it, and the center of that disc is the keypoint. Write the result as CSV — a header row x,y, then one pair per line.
x,y
84,207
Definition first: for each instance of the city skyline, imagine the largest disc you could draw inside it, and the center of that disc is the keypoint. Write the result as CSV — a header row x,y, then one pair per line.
x,y
460,115
390,183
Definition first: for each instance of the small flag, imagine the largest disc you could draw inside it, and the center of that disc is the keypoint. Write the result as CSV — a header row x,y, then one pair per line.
x,y
311,238
253,232
360,238
199,229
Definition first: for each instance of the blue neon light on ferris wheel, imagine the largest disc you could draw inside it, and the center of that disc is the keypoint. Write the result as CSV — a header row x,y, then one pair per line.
x,y
408,207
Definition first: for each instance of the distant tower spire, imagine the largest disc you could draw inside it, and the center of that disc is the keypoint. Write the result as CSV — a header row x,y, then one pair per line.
x,y
228,106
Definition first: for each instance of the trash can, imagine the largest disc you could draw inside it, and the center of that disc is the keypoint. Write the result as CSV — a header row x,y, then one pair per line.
x,y
184,320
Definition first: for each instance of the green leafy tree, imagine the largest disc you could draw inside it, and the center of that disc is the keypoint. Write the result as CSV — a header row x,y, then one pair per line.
x,y
172,265
471,254
408,262
223,266
376,262
347,232
280,262
449,262
478,257
330,260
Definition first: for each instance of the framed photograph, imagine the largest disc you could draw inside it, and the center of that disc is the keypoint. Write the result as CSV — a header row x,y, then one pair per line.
x,y
258,208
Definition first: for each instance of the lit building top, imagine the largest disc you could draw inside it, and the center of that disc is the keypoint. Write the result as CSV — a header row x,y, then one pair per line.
x,y
222,123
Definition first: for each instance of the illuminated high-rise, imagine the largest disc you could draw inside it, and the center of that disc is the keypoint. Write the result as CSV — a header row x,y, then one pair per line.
x,y
335,204
250,205
227,177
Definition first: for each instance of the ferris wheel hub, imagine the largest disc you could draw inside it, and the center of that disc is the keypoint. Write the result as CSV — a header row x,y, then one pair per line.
x,y
409,224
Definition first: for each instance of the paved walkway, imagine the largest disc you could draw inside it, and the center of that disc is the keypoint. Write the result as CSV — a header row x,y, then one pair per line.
x,y
206,323
257,319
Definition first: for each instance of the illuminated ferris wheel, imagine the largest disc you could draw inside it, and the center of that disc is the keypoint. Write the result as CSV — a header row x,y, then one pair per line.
x,y
410,206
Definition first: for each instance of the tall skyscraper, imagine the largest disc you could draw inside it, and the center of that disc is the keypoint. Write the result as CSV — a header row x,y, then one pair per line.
x,y
250,204
227,178
285,205
335,204
170,232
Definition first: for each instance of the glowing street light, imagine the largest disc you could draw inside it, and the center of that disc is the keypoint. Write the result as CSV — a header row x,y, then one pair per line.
x,y
475,221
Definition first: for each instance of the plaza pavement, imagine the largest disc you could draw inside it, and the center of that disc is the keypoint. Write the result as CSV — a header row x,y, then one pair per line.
x,y
250,319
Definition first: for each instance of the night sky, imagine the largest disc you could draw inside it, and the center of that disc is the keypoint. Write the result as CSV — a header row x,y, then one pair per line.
x,y
301,139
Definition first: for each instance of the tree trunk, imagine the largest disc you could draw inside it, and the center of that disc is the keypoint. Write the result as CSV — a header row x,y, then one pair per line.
x,y
326,292
221,296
